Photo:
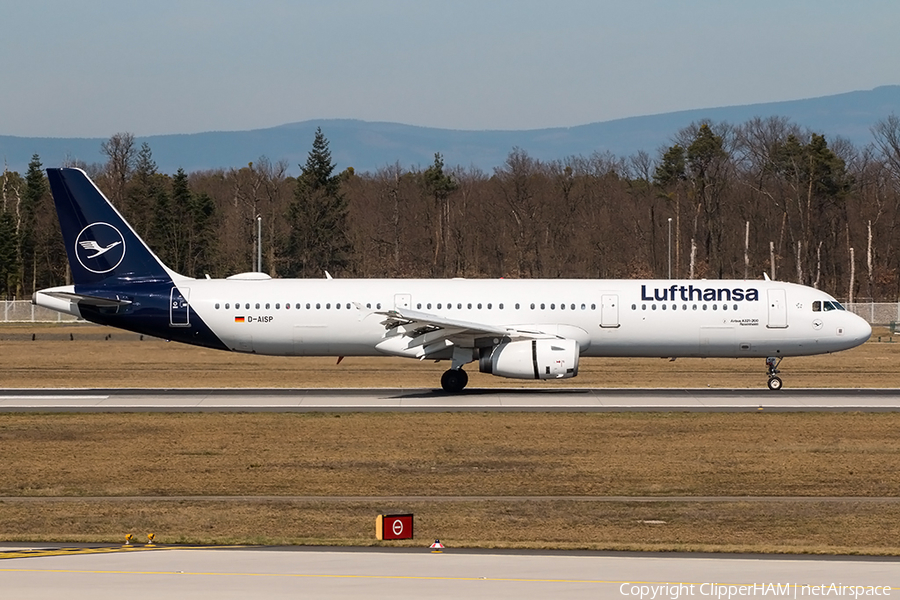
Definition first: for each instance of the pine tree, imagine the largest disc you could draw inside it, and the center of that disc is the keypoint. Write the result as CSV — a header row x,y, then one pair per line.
x,y
35,189
143,190
9,255
318,217
439,186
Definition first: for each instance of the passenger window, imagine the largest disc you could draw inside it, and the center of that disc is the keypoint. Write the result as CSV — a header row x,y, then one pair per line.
x,y
532,306
267,305
572,306
552,306
543,306
419,305
704,307
664,307
348,306
584,307
318,306
517,306
469,305
337,306
500,306
308,306
653,306
684,307
489,306
277,305
643,307
479,306
714,307
247,306
734,307
562,307
633,307
593,307
459,305
378,306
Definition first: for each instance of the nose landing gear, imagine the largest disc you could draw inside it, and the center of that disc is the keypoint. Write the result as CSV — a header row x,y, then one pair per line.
x,y
772,371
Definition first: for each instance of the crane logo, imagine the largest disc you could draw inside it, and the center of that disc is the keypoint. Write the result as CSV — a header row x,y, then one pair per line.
x,y
100,248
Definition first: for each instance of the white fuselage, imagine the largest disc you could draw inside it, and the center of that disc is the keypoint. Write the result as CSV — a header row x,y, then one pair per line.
x,y
686,318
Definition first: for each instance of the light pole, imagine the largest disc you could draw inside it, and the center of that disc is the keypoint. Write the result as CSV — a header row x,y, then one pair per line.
x,y
670,247
259,244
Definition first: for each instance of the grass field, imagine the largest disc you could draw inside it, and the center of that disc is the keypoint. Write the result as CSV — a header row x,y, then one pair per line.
x,y
89,359
75,477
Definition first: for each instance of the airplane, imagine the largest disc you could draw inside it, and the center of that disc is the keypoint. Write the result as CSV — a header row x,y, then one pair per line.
x,y
515,328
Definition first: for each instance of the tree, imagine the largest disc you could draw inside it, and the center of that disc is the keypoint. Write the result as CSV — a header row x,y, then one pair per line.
x,y
26,216
439,186
145,184
818,182
9,255
707,163
318,238
119,150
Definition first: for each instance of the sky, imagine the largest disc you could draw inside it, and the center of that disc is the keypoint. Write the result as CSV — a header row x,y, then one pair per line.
x,y
93,68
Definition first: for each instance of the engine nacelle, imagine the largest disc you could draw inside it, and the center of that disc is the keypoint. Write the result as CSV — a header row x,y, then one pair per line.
x,y
531,359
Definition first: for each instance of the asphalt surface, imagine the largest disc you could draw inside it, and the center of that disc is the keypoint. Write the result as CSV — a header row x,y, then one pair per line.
x,y
99,572
492,399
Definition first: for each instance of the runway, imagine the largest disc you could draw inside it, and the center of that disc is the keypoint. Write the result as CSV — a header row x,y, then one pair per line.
x,y
412,400
99,573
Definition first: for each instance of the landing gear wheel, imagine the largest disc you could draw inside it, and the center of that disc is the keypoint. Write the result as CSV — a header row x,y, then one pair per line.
x,y
454,380
772,371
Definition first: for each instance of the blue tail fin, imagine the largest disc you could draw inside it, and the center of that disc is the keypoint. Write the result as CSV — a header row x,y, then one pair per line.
x,y
100,243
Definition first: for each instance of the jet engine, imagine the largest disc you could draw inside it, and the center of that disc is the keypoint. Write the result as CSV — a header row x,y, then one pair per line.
x,y
531,359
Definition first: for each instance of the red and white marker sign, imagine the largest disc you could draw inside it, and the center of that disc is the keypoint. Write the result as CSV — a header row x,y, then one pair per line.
x,y
396,527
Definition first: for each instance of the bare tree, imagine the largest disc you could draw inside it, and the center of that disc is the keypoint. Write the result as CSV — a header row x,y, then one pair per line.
x,y
120,153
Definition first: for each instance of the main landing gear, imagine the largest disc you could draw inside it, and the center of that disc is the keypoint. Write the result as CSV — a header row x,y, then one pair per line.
x,y
772,371
454,380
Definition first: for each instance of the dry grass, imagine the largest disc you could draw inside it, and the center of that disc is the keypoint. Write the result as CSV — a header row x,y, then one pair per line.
x,y
847,528
90,360
383,454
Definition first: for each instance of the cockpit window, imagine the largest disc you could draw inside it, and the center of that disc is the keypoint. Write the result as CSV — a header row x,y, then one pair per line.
x,y
828,305
817,306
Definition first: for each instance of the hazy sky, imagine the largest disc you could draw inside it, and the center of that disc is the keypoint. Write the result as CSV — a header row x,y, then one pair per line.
x,y
95,67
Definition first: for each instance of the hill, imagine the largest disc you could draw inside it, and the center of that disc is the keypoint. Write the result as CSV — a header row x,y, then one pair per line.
x,y
367,146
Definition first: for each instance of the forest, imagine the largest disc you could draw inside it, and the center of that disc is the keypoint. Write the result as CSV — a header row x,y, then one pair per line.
x,y
722,201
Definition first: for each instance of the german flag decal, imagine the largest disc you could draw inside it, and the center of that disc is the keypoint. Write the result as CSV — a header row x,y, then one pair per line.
x,y
239,319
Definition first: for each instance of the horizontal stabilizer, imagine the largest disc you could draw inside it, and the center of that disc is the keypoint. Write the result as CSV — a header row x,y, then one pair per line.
x,y
87,300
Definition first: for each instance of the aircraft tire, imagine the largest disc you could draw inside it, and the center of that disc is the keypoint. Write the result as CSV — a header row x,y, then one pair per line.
x,y
454,380
775,383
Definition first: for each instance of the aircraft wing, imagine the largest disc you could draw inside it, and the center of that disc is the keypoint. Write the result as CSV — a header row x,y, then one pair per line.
x,y
421,334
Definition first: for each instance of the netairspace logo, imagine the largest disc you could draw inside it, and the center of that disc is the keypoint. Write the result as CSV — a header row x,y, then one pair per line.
x,y
674,591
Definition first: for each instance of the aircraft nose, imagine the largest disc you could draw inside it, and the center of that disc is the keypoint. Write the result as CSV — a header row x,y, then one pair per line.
x,y
859,330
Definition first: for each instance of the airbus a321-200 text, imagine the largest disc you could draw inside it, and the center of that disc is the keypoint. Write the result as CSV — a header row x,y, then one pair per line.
x,y
524,329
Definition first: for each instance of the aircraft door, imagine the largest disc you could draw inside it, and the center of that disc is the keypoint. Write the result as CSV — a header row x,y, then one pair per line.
x,y
777,309
179,313
402,300
609,310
